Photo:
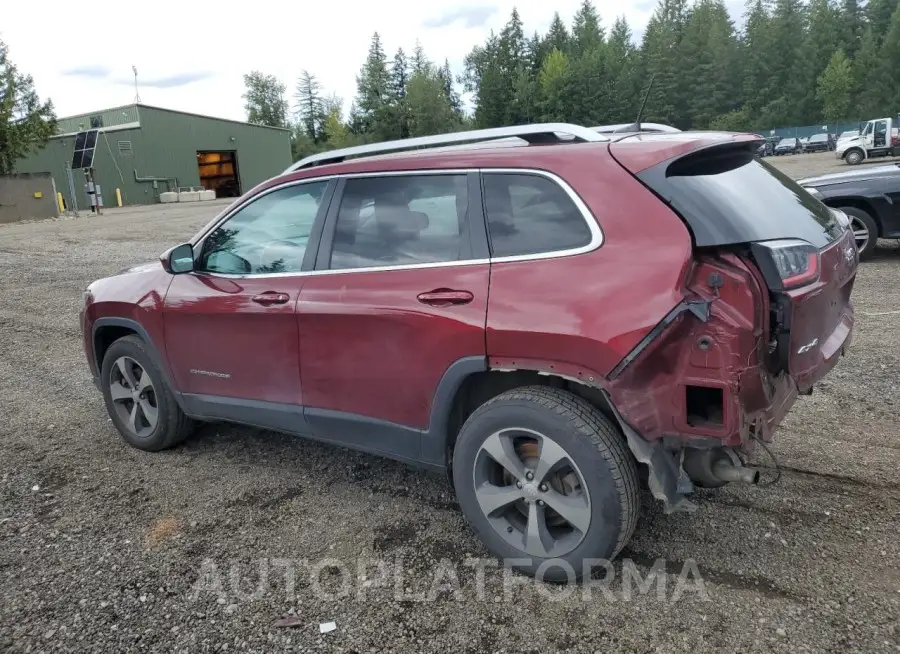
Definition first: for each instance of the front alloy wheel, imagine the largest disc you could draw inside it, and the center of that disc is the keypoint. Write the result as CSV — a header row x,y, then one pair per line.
x,y
139,401
532,492
133,396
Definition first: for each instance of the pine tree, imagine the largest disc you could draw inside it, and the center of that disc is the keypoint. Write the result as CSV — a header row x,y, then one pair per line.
x,y
446,76
879,13
587,93
557,36
824,32
430,111
756,53
661,62
852,24
787,84
587,32
868,91
372,115
308,100
536,50
419,62
710,45
621,63
512,58
399,78
888,72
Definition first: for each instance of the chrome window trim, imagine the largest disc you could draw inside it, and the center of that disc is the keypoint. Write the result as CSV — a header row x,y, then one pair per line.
x,y
231,210
589,218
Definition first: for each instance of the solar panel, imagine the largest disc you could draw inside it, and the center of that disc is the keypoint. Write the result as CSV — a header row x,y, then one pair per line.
x,y
85,143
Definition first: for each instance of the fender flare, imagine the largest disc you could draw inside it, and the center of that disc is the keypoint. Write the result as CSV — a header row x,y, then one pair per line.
x,y
144,335
435,437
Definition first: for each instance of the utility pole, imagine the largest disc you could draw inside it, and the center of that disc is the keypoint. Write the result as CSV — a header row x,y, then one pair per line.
x,y
137,95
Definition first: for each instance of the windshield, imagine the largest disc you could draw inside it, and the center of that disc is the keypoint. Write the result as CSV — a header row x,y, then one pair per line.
x,y
728,196
789,142
818,137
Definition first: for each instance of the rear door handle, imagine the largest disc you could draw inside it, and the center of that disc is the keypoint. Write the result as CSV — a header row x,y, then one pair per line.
x,y
444,297
271,297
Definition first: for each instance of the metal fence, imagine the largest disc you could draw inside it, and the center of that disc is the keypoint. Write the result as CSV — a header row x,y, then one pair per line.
x,y
809,130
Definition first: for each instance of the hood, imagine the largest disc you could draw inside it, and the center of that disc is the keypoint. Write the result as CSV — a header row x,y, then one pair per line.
x,y
856,175
140,268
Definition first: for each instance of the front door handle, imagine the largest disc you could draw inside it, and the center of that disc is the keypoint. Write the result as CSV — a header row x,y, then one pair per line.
x,y
270,297
445,297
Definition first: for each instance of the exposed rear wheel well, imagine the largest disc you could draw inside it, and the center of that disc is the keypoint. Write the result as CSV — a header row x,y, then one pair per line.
x,y
106,336
480,387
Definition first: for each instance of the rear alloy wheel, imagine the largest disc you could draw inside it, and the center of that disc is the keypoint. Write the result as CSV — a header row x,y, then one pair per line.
x,y
532,492
544,477
865,230
854,157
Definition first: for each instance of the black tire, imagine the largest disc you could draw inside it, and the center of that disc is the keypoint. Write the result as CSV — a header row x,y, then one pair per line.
x,y
590,440
172,425
864,217
854,156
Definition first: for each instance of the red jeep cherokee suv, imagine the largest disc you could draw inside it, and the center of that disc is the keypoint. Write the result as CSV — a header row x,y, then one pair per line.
x,y
539,314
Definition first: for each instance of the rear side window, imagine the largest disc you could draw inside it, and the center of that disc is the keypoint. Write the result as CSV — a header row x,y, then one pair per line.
x,y
531,214
401,220
728,196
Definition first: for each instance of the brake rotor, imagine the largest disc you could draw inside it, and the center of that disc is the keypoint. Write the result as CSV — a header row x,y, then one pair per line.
x,y
563,482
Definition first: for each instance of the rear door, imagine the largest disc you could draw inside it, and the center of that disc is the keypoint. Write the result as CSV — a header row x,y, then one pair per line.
x,y
230,328
398,298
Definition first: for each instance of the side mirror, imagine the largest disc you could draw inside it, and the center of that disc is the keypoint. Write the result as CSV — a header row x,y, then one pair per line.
x,y
179,259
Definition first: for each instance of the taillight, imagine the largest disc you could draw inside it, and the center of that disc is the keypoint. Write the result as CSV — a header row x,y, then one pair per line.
x,y
787,263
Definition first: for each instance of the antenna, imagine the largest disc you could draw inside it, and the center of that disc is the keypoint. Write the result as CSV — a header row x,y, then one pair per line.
x,y
636,125
137,95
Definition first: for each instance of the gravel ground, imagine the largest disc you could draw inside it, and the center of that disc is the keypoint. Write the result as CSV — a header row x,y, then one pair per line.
x,y
108,549
820,163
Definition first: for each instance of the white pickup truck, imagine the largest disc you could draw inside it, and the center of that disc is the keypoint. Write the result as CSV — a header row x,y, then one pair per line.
x,y
878,138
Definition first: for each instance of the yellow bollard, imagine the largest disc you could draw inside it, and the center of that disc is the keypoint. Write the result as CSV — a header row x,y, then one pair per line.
x,y
118,197
60,203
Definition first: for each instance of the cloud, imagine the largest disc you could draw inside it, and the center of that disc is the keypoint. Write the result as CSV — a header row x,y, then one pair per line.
x,y
170,81
88,71
469,16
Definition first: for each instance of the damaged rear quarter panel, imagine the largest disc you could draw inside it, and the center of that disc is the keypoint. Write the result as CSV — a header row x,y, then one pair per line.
x,y
727,352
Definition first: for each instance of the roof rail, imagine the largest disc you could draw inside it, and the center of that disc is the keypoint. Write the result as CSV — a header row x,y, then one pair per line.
x,y
533,134
645,127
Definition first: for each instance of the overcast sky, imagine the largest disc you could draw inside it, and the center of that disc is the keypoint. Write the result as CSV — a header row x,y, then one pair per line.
x,y
191,56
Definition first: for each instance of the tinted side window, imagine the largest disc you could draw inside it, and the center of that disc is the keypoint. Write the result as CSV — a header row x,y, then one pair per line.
x,y
400,220
530,214
269,235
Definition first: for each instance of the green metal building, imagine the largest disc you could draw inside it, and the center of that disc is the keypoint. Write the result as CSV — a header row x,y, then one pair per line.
x,y
144,151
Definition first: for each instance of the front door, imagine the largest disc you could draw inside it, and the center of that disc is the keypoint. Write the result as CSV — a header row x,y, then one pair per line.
x,y
880,134
230,325
399,296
